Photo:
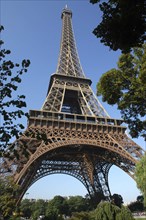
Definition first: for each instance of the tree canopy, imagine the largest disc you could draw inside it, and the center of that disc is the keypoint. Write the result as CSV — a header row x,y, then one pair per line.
x,y
11,104
8,193
126,87
137,206
55,208
108,211
117,200
140,174
73,208
123,24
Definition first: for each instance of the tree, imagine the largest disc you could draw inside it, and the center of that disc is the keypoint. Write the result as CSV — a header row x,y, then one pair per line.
x,y
126,87
10,105
8,194
124,214
140,198
81,216
57,207
25,208
136,206
123,24
38,208
140,175
108,211
117,200
77,204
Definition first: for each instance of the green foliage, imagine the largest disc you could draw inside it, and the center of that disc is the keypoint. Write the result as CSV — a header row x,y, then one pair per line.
x,y
60,208
77,204
8,194
108,211
140,218
51,213
140,198
124,214
81,216
117,200
126,87
57,206
123,24
10,104
140,176
38,208
54,209
26,208
136,206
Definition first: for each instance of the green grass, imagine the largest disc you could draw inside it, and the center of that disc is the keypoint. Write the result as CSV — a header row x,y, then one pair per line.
x,y
140,218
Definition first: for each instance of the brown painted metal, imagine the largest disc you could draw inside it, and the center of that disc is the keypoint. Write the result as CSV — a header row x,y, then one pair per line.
x,y
72,133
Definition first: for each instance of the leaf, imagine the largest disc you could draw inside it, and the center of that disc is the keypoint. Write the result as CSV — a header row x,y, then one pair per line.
x,y
7,52
94,1
25,63
21,126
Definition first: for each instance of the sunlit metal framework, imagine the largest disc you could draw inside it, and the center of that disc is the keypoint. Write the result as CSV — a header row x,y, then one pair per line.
x,y
72,133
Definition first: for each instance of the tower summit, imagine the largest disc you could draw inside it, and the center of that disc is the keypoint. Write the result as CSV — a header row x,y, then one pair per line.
x,y
69,91
72,133
68,63
66,10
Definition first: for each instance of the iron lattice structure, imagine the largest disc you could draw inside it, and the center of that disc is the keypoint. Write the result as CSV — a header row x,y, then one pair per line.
x,y
72,133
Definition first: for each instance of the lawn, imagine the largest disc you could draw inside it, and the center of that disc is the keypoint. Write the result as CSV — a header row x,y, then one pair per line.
x,y
140,218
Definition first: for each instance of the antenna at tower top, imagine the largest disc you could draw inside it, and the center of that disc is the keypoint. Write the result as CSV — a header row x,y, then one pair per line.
x,y
66,11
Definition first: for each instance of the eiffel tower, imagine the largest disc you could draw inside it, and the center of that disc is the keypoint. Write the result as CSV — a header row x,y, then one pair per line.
x,y
72,133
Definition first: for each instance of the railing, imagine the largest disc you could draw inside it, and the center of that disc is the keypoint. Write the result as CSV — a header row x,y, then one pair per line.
x,y
45,115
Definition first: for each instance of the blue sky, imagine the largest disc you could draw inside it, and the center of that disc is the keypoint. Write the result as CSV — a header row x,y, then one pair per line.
x,y
33,31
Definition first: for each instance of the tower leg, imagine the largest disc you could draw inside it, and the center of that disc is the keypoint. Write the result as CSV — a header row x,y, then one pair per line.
x,y
95,175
